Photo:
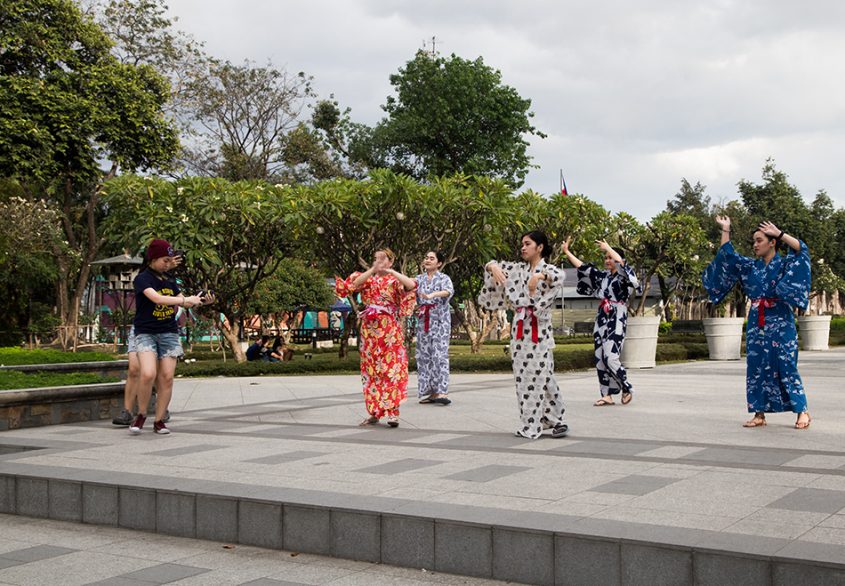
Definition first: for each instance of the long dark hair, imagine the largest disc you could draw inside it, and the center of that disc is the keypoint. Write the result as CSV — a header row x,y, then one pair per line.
x,y
539,238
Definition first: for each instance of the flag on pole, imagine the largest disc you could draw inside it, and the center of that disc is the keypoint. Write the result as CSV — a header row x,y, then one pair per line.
x,y
563,191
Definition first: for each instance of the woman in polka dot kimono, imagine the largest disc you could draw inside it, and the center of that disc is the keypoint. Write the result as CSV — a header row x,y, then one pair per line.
x,y
389,296
530,288
775,285
613,286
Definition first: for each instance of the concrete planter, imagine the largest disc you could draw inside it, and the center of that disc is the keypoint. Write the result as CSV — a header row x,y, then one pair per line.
x,y
815,331
724,337
640,347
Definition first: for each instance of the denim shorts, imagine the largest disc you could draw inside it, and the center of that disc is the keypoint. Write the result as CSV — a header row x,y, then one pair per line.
x,y
167,345
130,341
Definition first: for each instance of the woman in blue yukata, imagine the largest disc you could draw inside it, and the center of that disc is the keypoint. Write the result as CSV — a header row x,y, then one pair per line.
x,y
434,326
613,286
775,285
531,288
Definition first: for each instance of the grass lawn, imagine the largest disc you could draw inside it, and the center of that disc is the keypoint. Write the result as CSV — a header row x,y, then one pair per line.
x,y
21,380
17,356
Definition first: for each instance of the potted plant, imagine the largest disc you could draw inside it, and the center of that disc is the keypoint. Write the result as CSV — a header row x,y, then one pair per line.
x,y
723,333
814,325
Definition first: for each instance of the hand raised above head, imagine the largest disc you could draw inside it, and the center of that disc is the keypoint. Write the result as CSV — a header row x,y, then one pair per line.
x,y
724,222
564,246
603,245
769,229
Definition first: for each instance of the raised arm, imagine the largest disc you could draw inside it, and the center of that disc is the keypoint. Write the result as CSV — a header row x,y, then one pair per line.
x,y
407,282
573,260
770,229
725,224
608,249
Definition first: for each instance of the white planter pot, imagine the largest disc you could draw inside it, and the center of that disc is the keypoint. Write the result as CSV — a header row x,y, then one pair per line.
x,y
640,347
724,337
815,331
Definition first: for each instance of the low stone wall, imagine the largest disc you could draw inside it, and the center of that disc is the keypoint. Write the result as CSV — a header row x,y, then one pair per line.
x,y
53,405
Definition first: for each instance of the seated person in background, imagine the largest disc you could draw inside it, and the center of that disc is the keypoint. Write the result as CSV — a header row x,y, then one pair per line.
x,y
258,351
280,352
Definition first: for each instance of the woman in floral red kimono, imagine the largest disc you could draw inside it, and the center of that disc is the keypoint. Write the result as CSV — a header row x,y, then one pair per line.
x,y
388,295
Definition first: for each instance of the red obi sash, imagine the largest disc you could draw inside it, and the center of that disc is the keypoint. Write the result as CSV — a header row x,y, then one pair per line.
x,y
761,304
425,312
606,304
523,313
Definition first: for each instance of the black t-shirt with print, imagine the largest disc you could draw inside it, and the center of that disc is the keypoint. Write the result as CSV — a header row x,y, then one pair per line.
x,y
151,318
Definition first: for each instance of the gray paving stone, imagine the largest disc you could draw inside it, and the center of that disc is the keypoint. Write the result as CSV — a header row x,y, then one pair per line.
x,y
587,562
356,536
655,566
286,457
32,497
741,456
720,569
463,549
621,447
164,573
271,582
65,500
37,553
4,563
187,450
634,484
137,509
407,542
487,473
813,500
121,581
522,556
217,518
100,504
176,514
399,466
307,530
260,524
7,494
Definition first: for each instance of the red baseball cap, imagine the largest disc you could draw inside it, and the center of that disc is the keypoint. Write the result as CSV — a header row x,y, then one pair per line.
x,y
159,248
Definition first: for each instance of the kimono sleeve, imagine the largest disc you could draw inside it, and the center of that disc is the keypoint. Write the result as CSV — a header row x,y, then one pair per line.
x,y
405,300
724,271
492,296
796,279
344,287
546,293
626,273
446,285
589,280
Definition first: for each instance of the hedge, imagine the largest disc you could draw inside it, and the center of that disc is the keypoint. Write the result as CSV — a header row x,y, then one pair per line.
x,y
21,380
14,356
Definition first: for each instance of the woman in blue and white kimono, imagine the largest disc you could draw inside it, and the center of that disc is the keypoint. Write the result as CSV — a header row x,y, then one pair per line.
x,y
530,288
434,326
614,287
775,285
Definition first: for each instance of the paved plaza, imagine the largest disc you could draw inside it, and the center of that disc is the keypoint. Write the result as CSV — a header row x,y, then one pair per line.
x,y
670,485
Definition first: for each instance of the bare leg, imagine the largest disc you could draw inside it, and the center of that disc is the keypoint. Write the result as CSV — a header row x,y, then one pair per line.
x,y
133,379
148,363
164,386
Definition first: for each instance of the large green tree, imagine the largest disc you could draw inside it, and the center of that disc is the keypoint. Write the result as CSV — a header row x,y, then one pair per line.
x,y
71,116
452,115
235,234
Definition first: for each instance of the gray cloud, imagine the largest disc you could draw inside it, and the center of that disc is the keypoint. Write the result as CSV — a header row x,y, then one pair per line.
x,y
633,96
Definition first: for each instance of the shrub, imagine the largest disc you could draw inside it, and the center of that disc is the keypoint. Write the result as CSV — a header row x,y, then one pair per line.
x,y
22,380
16,356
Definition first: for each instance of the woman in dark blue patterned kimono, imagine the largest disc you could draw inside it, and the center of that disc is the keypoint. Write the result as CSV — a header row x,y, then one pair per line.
x,y
434,326
775,285
613,286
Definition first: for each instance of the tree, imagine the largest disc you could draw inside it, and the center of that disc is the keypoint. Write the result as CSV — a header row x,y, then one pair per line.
x,y
235,234
245,113
453,116
68,107
292,288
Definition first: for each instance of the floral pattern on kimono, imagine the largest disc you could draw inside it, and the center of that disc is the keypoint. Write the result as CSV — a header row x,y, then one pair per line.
x,y
434,326
384,361
772,381
614,289
540,401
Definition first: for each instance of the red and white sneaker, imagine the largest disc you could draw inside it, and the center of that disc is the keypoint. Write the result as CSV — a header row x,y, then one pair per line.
x,y
137,425
160,427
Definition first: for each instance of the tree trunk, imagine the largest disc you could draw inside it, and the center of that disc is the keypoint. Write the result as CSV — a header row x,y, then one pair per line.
x,y
477,324
231,336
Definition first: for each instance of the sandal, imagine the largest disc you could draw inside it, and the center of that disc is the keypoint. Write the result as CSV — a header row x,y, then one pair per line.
x,y
369,421
755,421
393,421
426,399
626,398
603,402
803,424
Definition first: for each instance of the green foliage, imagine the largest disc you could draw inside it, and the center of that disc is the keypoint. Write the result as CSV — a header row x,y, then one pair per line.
x,y
11,356
22,380
292,286
452,115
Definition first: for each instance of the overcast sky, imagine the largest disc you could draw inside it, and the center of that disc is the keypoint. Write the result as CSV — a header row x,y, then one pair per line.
x,y
632,95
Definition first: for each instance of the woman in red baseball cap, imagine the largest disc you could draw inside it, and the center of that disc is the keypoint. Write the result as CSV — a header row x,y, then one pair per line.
x,y
156,332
